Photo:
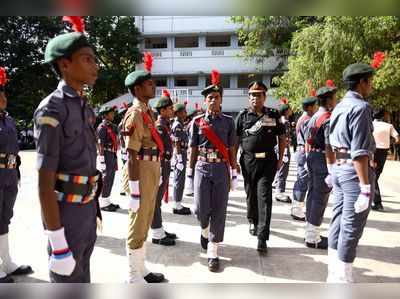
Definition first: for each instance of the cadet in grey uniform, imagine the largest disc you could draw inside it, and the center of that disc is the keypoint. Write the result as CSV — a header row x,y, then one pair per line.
x,y
283,172
66,159
180,141
319,163
213,157
8,186
163,126
301,185
353,143
107,160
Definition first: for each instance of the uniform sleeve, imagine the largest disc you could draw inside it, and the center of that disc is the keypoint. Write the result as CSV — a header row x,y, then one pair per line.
x,y
393,132
360,128
135,121
194,139
48,136
232,138
102,134
280,127
238,125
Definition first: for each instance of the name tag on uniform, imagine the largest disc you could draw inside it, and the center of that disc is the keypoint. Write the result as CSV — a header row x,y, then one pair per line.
x,y
268,121
260,155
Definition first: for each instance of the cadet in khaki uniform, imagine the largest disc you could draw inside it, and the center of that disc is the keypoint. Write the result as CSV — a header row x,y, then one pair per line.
x,y
66,159
144,153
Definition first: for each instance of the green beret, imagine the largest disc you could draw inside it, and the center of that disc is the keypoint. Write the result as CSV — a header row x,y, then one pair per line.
x,y
356,69
283,107
105,109
136,78
309,100
325,90
64,45
179,107
163,102
212,88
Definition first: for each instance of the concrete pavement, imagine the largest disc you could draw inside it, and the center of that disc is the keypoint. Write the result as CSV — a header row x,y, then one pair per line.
x,y
288,260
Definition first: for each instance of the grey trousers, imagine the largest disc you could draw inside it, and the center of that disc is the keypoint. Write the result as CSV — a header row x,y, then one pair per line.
x,y
211,193
347,226
79,222
318,192
282,173
301,185
179,180
108,177
8,195
165,172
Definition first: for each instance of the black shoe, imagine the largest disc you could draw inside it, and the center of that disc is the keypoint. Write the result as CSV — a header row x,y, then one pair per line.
x,y
283,198
109,208
213,264
377,207
262,246
298,218
170,235
7,279
203,242
116,206
323,244
164,241
182,211
253,229
122,193
22,270
153,277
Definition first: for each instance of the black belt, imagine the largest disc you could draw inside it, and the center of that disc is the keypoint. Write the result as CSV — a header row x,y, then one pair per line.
x,y
341,155
77,189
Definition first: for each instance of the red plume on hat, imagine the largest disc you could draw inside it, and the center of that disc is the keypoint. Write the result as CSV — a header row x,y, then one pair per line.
x,y
148,61
78,24
329,83
3,76
215,77
379,57
312,90
165,93
284,101
197,106
185,102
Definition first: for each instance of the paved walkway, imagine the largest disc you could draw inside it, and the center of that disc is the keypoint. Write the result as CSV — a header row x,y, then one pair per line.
x,y
288,260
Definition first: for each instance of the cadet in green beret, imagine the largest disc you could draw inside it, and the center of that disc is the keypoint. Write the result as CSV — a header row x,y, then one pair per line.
x,y
66,158
353,177
164,107
180,141
107,134
145,150
301,185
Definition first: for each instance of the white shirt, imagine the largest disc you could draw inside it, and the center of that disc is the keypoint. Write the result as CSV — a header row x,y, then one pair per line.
x,y
382,133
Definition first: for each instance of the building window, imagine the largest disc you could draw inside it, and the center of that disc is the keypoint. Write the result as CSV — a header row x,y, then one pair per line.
x,y
183,81
245,79
218,41
155,43
160,81
225,81
186,42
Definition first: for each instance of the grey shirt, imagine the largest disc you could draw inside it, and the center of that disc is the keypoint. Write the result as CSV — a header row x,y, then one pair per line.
x,y
319,136
300,128
222,125
64,133
179,133
351,126
164,129
8,134
102,132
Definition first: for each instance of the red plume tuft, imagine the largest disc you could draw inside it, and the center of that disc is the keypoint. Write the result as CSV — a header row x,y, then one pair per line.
x,y
284,101
330,83
185,102
78,24
148,61
215,77
165,93
312,90
197,106
3,76
379,57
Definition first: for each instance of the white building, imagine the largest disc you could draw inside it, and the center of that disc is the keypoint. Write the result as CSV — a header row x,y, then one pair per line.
x,y
187,48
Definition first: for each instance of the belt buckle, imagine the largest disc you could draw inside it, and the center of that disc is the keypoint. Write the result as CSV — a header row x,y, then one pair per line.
x,y
212,155
260,155
11,161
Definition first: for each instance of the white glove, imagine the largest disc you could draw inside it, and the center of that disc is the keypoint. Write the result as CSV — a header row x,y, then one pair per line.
x,y
328,178
362,202
101,163
124,155
234,180
61,260
285,159
134,201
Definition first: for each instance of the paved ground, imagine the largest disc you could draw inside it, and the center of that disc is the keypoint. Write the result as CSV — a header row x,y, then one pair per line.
x,y
288,259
